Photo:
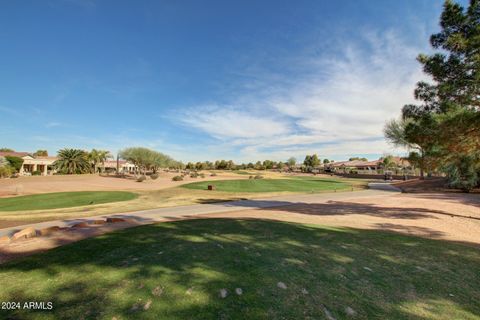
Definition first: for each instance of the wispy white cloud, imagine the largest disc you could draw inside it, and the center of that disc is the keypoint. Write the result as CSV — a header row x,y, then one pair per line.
x,y
228,123
53,124
338,107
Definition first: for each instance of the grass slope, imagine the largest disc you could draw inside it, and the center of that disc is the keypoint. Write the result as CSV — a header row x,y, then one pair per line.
x,y
270,185
63,200
176,271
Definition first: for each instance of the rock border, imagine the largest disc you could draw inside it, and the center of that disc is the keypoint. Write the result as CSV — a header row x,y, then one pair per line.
x,y
30,232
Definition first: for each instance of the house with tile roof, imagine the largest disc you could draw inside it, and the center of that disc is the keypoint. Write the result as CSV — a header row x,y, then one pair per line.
x,y
31,163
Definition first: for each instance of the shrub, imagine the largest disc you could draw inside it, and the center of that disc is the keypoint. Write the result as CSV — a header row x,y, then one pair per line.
x,y
258,177
37,173
202,175
15,162
154,176
194,175
213,174
462,174
177,178
250,177
141,178
6,171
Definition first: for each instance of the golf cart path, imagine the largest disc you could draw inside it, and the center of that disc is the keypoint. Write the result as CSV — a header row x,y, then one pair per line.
x,y
179,212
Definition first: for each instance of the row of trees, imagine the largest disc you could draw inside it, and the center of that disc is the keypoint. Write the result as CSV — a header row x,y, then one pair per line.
x,y
310,161
72,161
442,132
230,165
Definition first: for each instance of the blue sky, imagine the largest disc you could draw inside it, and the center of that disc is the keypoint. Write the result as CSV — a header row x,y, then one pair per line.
x,y
206,80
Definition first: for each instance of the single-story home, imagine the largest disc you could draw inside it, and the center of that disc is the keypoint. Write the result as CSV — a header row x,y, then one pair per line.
x,y
123,166
43,164
360,165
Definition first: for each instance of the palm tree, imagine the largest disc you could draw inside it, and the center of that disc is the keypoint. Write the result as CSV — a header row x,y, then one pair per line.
x,y
388,163
72,161
98,156
104,155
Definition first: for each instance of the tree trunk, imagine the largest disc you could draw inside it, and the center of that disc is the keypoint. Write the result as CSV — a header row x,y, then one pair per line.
x,y
422,165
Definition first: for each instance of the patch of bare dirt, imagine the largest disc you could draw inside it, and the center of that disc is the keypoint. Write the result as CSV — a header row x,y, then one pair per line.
x,y
90,182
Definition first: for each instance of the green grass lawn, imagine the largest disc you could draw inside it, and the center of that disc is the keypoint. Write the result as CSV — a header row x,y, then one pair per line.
x,y
63,200
243,172
271,185
176,271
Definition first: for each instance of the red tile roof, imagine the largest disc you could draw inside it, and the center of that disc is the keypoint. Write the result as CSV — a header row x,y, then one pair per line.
x,y
47,157
14,154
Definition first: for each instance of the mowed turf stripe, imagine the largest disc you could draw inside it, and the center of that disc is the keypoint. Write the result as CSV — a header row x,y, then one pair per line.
x,y
270,185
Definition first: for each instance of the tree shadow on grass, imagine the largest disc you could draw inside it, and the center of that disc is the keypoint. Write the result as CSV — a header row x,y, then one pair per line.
x,y
176,270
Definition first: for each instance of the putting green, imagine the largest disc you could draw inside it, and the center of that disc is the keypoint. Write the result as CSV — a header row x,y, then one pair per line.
x,y
271,185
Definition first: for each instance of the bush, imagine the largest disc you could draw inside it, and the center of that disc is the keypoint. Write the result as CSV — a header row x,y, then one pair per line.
x,y
154,176
213,174
6,171
15,162
250,177
258,177
37,173
194,175
141,178
202,175
463,173
177,178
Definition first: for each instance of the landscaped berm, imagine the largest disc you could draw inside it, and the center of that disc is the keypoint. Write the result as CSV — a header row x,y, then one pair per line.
x,y
247,269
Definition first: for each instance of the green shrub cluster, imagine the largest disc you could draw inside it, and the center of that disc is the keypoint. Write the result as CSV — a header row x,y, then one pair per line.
x,y
6,171
15,162
464,173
